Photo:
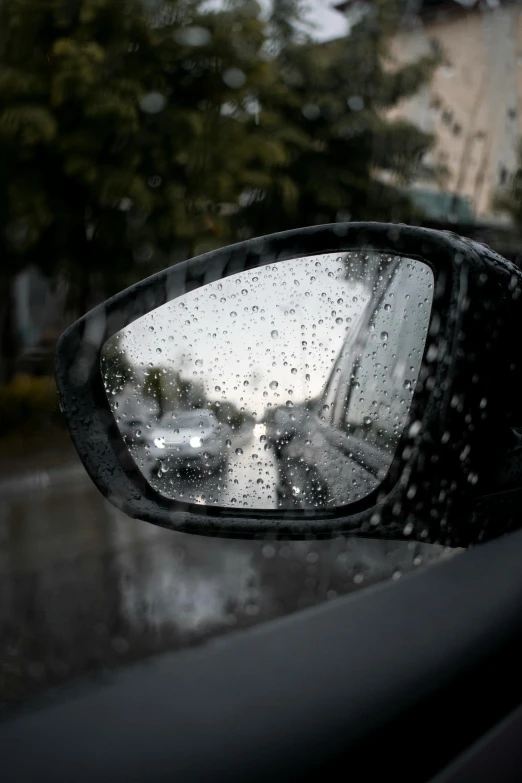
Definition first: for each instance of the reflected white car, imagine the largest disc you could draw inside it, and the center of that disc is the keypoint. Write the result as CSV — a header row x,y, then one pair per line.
x,y
185,440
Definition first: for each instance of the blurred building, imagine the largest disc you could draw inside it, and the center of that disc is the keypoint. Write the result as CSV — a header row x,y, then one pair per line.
x,y
474,103
40,316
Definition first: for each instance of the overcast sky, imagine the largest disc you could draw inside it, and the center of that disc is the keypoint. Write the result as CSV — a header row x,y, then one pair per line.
x,y
265,335
327,23
272,335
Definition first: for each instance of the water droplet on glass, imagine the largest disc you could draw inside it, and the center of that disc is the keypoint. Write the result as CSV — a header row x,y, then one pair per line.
x,y
294,370
233,313
273,384
234,78
152,102
387,307
384,336
274,333
239,451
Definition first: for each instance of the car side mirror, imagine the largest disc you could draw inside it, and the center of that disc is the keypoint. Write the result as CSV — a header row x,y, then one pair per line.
x,y
344,379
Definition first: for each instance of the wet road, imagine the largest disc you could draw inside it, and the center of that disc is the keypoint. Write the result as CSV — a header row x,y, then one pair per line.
x,y
83,588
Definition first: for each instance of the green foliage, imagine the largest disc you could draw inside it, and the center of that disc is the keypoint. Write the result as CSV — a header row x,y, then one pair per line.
x,y
329,112
134,134
115,148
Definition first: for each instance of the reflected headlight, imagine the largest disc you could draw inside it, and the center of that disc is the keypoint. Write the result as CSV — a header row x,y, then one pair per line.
x,y
196,443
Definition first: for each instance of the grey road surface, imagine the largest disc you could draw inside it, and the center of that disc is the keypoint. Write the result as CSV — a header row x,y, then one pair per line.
x,y
84,588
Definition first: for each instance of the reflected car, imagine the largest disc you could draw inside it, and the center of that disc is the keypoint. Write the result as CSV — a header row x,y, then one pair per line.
x,y
186,440
134,416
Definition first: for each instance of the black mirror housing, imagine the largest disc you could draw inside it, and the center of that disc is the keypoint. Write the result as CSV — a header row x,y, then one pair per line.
x,y
456,477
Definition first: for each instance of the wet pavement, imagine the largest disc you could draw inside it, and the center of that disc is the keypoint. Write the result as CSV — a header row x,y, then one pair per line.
x,y
83,588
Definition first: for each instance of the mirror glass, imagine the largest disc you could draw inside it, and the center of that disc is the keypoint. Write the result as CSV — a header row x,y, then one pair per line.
x,y
287,386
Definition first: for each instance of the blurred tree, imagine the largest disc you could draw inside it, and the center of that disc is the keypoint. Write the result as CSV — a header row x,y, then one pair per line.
x,y
117,368
113,119
345,159
153,388
135,133
125,127
172,392
228,413
286,23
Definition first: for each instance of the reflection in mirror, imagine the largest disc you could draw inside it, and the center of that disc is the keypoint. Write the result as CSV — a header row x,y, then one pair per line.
x,y
287,386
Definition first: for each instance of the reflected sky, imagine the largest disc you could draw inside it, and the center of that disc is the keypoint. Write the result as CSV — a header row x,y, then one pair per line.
x,y
259,338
